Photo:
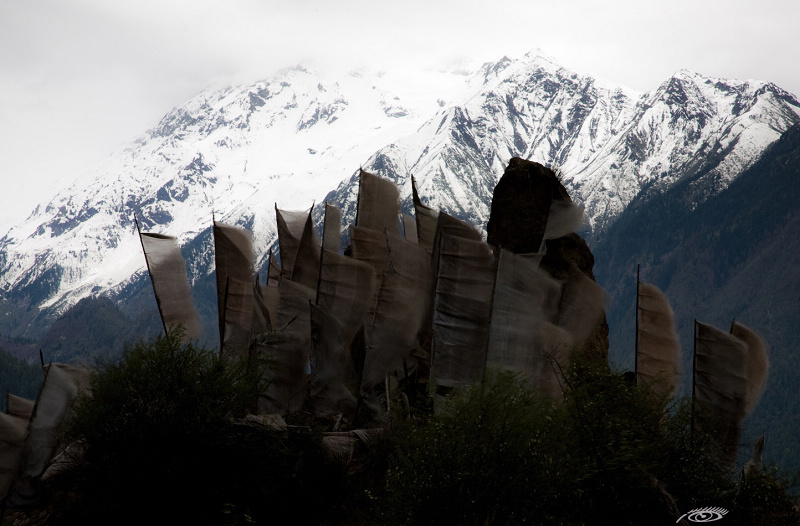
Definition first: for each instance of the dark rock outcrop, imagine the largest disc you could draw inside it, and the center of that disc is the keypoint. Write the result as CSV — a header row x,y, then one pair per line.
x,y
521,205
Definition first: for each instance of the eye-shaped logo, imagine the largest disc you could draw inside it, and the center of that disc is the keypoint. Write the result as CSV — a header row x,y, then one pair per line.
x,y
704,515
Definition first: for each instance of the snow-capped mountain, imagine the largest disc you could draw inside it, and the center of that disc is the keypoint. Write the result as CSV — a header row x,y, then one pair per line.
x,y
291,139
610,143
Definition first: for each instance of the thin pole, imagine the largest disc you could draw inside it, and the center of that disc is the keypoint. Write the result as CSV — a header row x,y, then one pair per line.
x,y
280,252
415,200
224,313
435,257
150,273
321,251
491,311
389,250
694,375
269,265
359,398
636,344
358,196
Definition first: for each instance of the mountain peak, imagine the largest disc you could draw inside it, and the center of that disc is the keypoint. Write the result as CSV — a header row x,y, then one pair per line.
x,y
294,136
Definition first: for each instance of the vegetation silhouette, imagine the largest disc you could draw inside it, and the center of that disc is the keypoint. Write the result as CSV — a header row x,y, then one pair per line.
x,y
164,442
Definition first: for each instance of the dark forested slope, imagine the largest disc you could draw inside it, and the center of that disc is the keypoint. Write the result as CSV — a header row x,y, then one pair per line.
x,y
735,256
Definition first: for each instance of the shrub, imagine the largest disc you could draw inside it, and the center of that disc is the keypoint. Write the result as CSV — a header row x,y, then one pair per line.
x,y
608,453
161,445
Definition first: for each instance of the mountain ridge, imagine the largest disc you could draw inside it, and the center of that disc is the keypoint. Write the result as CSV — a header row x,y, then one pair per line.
x,y
292,138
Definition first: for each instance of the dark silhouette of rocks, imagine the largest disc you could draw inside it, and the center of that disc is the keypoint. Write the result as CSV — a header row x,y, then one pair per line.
x,y
521,204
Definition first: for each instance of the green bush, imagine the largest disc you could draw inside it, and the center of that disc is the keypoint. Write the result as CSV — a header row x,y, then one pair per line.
x,y
608,453
161,446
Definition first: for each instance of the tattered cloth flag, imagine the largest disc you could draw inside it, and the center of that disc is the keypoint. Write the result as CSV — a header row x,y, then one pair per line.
x,y
757,364
19,406
287,348
171,284
390,337
238,316
658,353
62,383
720,385
564,217
410,229
306,262
757,458
378,203
233,255
581,305
291,224
348,289
273,270
455,228
462,309
332,228
370,246
331,367
412,262
264,313
523,338
426,217
13,430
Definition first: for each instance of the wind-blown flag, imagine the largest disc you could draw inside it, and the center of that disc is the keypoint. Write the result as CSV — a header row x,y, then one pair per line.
x,y
331,367
658,353
757,364
233,255
332,228
291,224
370,246
522,336
378,203
720,384
62,383
348,289
427,219
288,348
170,283
462,309
306,263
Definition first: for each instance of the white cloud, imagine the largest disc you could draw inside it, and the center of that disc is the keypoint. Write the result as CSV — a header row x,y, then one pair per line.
x,y
80,78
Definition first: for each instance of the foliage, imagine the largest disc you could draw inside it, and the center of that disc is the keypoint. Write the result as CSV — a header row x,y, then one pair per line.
x,y
161,444
608,453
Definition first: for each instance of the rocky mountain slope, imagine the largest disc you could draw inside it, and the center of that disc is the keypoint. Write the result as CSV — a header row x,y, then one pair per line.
x,y
291,139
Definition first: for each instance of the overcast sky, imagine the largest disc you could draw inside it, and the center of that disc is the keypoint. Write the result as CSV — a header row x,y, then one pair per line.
x,y
80,78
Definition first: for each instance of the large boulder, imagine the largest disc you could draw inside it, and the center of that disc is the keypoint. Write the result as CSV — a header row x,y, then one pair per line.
x,y
521,204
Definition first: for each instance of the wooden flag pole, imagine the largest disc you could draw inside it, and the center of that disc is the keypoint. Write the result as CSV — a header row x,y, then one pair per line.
x,y
636,344
694,375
